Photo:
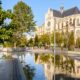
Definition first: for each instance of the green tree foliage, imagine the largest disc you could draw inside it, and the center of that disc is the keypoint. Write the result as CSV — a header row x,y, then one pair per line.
x,y
2,16
59,38
52,37
22,41
71,40
65,41
23,17
5,30
36,41
45,58
5,34
31,43
29,72
22,21
45,39
9,14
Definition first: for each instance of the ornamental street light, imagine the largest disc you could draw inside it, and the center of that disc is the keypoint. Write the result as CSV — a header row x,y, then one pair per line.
x,y
54,45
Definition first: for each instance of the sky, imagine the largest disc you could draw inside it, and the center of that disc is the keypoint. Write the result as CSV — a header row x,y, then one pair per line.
x,y
40,7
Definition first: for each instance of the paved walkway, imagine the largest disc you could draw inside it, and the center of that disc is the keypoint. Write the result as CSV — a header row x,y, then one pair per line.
x,y
10,70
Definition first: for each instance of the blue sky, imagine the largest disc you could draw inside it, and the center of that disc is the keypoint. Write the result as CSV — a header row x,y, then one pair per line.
x,y
40,7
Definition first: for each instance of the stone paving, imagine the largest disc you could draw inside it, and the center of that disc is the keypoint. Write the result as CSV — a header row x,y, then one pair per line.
x,y
10,70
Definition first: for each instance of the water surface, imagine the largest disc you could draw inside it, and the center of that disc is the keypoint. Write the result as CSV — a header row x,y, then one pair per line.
x,y
42,65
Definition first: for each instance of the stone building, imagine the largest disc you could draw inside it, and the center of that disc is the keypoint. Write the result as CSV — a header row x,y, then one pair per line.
x,y
40,30
62,20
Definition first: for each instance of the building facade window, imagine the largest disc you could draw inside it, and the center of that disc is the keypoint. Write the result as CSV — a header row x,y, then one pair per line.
x,y
78,23
49,23
78,33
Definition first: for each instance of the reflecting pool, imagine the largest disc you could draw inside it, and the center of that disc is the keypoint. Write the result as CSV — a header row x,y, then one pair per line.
x,y
41,66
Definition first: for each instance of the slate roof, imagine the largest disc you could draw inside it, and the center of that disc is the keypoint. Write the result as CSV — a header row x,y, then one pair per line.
x,y
68,12
56,13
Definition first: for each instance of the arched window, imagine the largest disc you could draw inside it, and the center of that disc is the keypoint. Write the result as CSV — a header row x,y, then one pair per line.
x,y
74,20
58,25
70,21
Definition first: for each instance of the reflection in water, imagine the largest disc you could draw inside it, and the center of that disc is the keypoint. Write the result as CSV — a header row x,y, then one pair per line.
x,y
66,67
41,66
29,72
28,60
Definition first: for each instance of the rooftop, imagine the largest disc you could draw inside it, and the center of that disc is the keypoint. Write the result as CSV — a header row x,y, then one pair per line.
x,y
67,12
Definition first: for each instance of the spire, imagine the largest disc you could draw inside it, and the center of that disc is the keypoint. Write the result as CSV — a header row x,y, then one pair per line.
x,y
62,9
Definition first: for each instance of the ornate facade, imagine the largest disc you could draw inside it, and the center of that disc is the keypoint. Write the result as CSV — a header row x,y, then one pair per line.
x,y
48,66
40,30
62,20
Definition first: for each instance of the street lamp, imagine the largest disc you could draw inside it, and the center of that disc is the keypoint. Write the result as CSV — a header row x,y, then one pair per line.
x,y
54,45
74,32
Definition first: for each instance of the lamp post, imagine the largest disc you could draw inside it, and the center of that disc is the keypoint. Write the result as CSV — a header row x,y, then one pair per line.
x,y
54,45
74,32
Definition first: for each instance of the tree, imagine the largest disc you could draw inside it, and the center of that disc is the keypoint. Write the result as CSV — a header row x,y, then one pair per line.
x,y
65,40
31,43
59,38
2,16
45,39
36,41
5,34
52,38
22,20
71,40
23,17
29,72
5,30
20,42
